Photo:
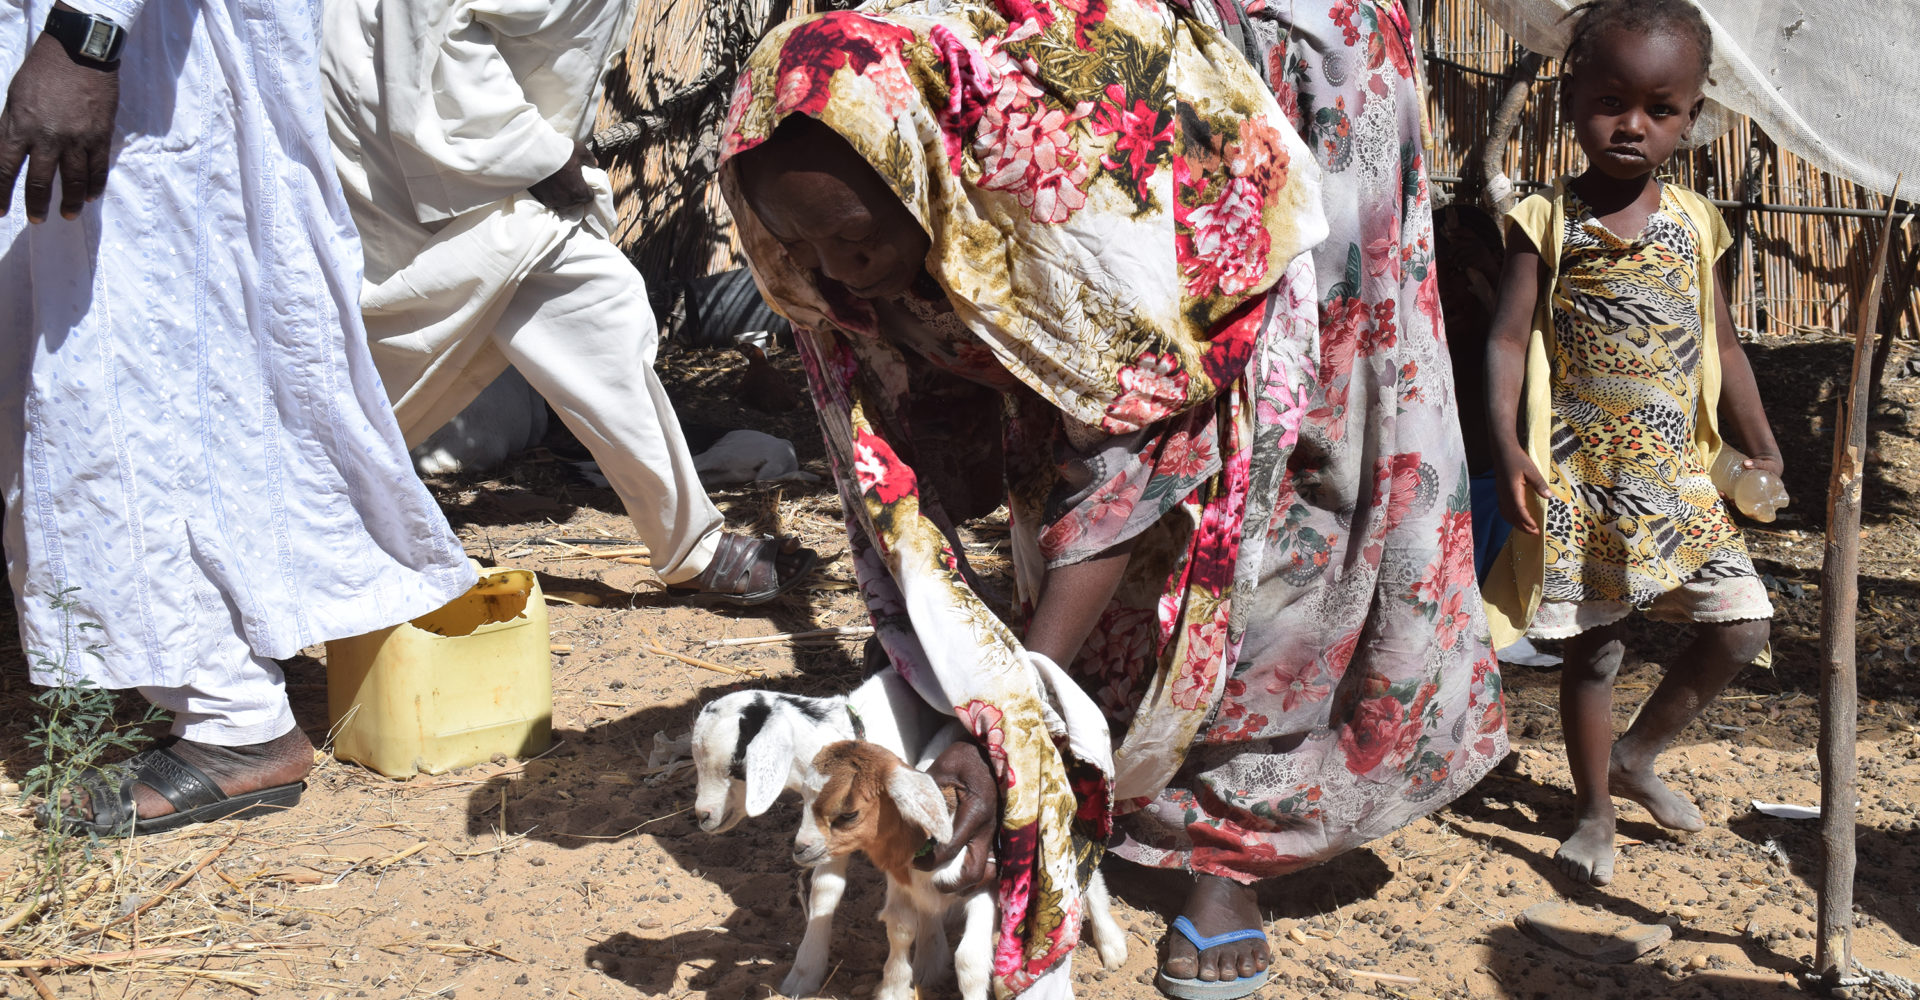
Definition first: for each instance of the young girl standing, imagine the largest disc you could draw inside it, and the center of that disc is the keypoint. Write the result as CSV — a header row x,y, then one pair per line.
x,y
1611,328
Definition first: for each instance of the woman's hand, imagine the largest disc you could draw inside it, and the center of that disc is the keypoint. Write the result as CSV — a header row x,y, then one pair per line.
x,y
566,187
976,812
1518,477
59,113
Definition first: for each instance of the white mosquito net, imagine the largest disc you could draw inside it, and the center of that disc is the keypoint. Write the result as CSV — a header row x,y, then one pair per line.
x,y
1837,82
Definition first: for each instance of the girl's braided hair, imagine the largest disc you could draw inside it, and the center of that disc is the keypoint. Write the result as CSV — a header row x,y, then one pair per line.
x,y
1596,18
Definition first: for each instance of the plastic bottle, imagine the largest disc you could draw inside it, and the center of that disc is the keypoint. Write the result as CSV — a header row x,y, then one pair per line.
x,y
1757,492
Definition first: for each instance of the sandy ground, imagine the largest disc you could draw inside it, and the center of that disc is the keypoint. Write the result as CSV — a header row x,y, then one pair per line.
x,y
579,874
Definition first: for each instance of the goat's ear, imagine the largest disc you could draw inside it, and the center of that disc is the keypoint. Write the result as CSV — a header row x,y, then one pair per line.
x,y
769,760
918,798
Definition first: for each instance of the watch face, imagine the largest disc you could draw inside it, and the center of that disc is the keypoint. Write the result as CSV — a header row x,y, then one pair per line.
x,y
99,41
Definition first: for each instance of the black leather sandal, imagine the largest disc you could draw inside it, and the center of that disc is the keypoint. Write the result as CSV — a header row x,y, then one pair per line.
x,y
195,797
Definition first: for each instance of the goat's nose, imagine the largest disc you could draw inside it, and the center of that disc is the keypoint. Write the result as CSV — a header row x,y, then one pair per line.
x,y
705,818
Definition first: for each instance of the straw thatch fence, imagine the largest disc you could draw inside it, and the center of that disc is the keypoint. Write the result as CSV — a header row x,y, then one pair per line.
x,y
1790,271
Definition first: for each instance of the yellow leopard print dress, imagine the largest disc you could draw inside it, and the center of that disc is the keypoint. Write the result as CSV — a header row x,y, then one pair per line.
x,y
1633,513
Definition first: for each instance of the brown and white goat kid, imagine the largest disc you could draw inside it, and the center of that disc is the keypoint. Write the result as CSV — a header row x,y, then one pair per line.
x,y
868,800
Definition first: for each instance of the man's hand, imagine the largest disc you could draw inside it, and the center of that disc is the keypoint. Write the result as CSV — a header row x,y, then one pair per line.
x,y
1518,477
59,113
976,812
565,187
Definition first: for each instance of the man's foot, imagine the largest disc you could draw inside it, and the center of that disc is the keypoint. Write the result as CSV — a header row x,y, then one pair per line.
x,y
746,570
1640,784
236,772
1587,856
1218,906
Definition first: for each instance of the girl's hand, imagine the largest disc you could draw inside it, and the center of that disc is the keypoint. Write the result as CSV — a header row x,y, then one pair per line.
x,y
1771,463
1518,477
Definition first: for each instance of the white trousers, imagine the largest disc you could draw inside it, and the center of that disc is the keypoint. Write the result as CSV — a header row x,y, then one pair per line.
x,y
238,700
519,285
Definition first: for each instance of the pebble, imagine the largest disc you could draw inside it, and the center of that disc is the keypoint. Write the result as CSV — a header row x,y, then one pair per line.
x,y
1697,961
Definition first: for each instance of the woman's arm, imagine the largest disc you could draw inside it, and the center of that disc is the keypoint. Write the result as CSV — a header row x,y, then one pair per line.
x,y
1743,420
1071,601
1506,371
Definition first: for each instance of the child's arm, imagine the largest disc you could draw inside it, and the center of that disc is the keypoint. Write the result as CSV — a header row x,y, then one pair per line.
x,y
1506,370
1743,420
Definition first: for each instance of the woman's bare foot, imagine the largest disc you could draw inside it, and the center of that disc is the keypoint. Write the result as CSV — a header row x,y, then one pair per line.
x,y
1587,856
1215,906
237,770
1638,783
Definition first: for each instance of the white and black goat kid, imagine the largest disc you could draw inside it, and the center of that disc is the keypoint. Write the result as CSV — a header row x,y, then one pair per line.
x,y
869,801
750,746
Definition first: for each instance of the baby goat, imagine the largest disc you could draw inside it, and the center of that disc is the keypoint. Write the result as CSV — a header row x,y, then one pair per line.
x,y
868,800
750,746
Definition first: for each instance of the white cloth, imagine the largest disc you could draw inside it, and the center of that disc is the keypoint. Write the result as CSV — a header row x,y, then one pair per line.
x,y
442,114
192,434
1829,80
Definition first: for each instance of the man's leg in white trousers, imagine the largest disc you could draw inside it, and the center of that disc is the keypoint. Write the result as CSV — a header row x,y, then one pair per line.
x,y
582,332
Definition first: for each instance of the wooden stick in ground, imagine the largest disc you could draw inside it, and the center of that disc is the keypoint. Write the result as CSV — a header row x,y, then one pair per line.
x,y
1839,693
652,645
1487,161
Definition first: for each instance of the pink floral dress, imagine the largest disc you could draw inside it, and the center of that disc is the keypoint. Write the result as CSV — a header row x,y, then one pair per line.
x,y
1364,695
1127,343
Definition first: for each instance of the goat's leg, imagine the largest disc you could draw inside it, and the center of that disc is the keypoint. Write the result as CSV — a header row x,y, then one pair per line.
x,y
1108,939
973,960
902,920
809,970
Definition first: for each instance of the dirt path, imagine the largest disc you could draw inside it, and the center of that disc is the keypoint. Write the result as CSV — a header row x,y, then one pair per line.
x,y
578,874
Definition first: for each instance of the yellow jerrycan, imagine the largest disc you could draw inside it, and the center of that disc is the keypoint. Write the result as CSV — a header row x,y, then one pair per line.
x,y
450,688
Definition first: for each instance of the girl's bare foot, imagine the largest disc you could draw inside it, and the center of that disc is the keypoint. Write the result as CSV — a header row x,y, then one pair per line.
x,y
1638,783
1587,856
1216,906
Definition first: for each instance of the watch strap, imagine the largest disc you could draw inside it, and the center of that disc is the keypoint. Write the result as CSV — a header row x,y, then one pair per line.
x,y
87,38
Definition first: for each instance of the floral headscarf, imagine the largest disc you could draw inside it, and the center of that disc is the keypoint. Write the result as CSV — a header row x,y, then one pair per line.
x,y
1110,193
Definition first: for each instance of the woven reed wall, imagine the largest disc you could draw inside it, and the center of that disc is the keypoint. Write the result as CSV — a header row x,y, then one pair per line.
x,y
1796,272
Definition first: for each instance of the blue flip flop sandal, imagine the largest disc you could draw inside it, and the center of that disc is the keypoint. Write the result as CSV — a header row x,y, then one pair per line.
x,y
1219,989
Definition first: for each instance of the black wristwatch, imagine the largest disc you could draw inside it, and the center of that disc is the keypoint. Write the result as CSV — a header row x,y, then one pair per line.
x,y
87,38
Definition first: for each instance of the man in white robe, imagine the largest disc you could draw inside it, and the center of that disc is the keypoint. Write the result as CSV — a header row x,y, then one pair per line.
x,y
459,130
202,474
